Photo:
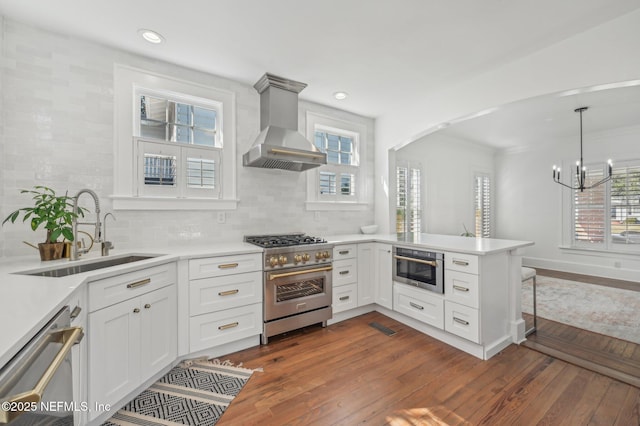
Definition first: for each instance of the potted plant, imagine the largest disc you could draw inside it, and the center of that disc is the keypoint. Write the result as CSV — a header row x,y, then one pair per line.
x,y
53,211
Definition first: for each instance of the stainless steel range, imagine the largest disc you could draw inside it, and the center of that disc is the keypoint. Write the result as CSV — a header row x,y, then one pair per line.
x,y
297,281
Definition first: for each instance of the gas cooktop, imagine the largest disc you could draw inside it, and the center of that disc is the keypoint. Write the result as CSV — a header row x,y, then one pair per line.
x,y
286,240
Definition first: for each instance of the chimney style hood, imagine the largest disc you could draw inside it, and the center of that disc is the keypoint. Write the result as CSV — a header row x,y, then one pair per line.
x,y
279,145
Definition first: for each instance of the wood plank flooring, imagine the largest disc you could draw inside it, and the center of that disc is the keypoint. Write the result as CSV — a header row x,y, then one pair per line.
x,y
616,358
350,373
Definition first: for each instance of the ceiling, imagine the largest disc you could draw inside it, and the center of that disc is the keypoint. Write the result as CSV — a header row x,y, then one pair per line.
x,y
385,54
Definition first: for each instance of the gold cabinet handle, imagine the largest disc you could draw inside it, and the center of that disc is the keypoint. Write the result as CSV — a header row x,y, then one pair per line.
x,y
415,305
343,298
228,326
460,262
459,288
343,272
460,321
306,271
139,283
136,310
228,266
344,252
228,292
147,306
68,337
433,263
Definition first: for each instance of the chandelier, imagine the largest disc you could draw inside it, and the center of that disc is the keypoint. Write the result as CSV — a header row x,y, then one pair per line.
x,y
581,170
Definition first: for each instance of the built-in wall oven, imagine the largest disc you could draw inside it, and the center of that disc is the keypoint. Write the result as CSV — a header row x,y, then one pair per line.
x,y
419,268
36,386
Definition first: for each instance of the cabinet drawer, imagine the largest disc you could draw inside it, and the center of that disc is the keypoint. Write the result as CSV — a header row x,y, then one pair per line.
x,y
345,251
462,321
109,291
219,328
461,288
419,304
461,262
224,265
345,271
214,294
345,298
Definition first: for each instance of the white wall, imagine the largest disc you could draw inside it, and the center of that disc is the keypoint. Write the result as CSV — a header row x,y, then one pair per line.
x,y
530,206
604,54
58,111
448,167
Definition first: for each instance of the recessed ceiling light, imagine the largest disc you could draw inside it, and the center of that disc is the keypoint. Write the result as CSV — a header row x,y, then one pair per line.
x,y
151,36
340,95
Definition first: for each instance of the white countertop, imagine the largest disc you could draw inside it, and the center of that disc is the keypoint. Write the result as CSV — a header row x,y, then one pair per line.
x,y
470,245
29,301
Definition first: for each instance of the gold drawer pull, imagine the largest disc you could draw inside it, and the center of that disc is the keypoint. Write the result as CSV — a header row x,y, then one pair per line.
x,y
228,326
343,298
228,266
459,288
139,283
415,305
228,292
136,310
460,262
344,252
147,306
460,321
344,272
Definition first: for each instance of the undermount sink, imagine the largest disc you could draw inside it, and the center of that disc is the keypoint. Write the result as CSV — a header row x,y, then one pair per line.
x,y
78,268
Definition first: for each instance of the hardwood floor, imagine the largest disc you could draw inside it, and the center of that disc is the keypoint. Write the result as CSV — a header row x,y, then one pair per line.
x,y
351,373
616,358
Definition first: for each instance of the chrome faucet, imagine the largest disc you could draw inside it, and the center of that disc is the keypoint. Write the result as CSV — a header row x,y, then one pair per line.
x,y
106,245
75,251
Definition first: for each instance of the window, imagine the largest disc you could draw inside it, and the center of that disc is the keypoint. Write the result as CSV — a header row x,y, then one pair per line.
x,y
608,216
338,184
175,143
483,205
178,147
408,199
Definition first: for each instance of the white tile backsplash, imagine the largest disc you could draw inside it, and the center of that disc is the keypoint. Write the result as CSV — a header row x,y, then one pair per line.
x,y
57,129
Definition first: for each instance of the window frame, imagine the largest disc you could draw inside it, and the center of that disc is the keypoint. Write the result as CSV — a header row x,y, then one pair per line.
x,y
410,195
484,176
129,83
358,133
607,245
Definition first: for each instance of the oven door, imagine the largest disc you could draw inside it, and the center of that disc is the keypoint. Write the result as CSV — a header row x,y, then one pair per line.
x,y
418,268
296,290
36,385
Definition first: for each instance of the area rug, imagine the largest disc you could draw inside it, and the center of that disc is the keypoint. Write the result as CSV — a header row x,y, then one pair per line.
x,y
605,310
196,392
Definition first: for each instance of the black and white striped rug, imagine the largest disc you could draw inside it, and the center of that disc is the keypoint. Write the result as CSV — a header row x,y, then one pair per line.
x,y
196,392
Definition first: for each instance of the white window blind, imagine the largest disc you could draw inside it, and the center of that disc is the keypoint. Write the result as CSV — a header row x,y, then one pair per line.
x,y
589,210
483,206
408,199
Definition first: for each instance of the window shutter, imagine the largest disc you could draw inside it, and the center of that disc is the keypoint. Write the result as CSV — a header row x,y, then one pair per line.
x,y
483,206
408,200
589,209
625,205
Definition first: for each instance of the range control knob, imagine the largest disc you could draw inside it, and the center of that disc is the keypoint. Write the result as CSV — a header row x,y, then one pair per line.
x,y
297,258
306,257
319,255
273,261
282,260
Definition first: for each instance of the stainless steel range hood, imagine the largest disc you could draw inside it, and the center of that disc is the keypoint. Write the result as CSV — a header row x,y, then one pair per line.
x,y
279,145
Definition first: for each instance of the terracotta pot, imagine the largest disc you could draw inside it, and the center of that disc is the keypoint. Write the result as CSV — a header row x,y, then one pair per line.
x,y
50,251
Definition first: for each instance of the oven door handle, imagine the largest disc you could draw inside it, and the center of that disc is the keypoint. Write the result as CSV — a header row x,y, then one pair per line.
x,y
68,337
292,274
433,263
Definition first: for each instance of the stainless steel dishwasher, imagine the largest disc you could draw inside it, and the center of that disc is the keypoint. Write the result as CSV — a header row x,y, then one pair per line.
x,y
36,386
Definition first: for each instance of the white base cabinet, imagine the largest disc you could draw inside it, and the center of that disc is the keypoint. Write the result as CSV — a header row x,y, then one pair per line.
x,y
419,304
131,340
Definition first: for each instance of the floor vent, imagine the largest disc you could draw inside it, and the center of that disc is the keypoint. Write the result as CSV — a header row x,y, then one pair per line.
x,y
382,328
